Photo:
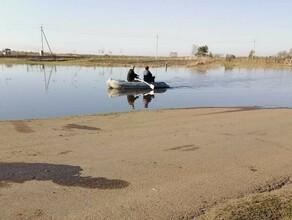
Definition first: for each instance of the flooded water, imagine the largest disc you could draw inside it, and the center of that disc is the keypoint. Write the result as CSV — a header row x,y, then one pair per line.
x,y
35,91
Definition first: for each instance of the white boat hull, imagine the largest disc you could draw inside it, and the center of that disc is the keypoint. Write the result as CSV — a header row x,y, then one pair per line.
x,y
123,92
123,84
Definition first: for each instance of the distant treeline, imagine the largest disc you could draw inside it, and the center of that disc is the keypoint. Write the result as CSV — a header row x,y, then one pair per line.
x,y
285,54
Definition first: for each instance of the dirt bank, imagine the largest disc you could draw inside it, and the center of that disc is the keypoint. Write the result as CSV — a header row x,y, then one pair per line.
x,y
164,164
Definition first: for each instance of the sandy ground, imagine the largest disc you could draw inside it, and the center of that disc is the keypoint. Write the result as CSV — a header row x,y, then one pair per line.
x,y
165,164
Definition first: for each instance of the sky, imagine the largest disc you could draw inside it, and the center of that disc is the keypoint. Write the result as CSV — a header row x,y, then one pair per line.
x,y
147,28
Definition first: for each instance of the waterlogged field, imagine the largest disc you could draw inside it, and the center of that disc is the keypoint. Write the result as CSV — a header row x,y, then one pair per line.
x,y
37,91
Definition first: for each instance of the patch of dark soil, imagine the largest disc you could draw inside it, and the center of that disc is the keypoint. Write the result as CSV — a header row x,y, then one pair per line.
x,y
233,110
251,168
21,126
65,175
4,184
66,152
273,185
189,147
84,127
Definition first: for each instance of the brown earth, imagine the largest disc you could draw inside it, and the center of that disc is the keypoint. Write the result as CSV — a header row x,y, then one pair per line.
x,y
164,164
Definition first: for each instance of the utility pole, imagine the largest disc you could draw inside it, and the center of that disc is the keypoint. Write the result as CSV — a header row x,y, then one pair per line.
x,y
156,47
253,50
42,38
254,41
43,35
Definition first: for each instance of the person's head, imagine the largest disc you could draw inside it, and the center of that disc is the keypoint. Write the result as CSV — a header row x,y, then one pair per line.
x,y
133,67
147,67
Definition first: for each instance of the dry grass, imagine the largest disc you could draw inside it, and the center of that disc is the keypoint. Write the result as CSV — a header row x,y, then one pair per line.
x,y
258,62
107,60
111,61
199,64
263,206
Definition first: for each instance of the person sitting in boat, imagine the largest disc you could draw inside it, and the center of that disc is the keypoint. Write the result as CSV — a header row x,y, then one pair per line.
x,y
148,75
131,74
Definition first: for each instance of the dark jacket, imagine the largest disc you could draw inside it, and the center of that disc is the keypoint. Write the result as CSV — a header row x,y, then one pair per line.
x,y
148,76
131,75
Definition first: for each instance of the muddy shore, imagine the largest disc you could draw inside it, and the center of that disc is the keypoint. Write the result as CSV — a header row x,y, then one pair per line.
x,y
162,164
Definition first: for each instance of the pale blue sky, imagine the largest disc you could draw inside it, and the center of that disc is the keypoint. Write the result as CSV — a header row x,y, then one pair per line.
x,y
130,26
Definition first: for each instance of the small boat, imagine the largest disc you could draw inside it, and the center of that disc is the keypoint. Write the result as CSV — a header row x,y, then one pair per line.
x,y
124,84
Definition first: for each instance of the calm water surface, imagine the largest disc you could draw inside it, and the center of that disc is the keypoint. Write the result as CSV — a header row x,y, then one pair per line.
x,y
34,91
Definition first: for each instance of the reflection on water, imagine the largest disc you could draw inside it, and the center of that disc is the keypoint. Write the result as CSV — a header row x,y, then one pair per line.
x,y
147,98
48,76
134,94
131,100
38,91
229,68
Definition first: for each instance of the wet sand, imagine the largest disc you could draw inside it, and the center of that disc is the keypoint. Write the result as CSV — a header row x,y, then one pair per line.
x,y
164,164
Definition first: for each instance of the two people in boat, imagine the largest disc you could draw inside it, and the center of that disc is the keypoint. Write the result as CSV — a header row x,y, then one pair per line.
x,y
147,75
